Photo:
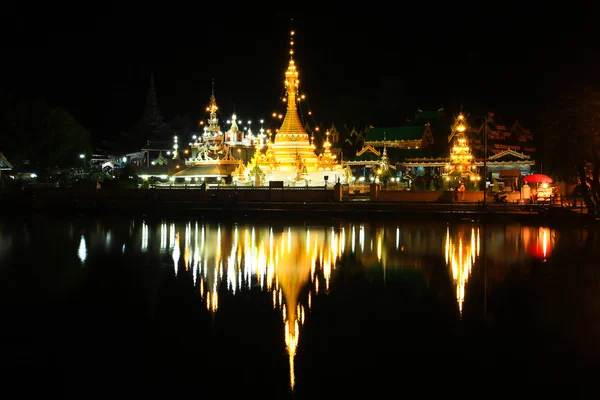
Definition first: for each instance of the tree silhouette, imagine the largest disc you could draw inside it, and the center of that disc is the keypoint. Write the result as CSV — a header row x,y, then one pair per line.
x,y
570,135
47,137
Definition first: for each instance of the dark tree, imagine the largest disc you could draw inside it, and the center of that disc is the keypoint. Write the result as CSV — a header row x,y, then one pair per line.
x,y
570,136
48,137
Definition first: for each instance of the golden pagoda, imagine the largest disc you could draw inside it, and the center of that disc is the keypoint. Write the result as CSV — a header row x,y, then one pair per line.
x,y
291,142
462,162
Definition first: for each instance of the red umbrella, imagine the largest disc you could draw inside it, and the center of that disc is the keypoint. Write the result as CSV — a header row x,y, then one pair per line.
x,y
537,178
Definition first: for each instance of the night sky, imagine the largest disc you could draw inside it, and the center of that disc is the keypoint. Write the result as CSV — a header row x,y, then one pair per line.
x,y
359,63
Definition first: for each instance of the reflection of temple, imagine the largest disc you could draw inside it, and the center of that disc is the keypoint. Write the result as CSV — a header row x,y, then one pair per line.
x,y
282,262
461,251
223,260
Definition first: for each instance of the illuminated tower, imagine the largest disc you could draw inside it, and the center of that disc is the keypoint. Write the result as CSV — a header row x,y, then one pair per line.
x,y
384,163
213,129
462,162
292,141
232,133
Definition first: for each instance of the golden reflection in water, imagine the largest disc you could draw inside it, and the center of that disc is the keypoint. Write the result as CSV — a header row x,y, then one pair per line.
x,y
285,261
461,252
282,262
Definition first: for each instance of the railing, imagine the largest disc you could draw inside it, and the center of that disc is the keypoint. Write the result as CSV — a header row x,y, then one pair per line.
x,y
242,188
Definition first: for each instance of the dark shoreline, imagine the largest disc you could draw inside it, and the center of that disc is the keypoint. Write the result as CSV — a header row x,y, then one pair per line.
x,y
282,211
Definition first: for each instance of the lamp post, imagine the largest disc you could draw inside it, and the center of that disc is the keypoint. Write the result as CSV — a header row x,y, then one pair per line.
x,y
82,156
485,150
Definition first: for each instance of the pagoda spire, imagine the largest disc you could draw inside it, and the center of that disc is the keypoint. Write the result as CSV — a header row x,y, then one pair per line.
x,y
151,118
384,162
213,122
291,77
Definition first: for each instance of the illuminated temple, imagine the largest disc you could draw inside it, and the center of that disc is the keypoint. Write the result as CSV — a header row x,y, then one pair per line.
x,y
291,156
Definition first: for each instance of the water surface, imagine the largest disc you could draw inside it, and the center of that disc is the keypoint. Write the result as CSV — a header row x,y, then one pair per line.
x,y
186,308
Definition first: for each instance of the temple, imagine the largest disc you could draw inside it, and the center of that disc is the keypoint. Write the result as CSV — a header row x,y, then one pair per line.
x,y
291,156
211,159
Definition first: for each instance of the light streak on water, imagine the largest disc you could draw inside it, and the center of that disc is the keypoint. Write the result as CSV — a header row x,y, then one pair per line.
x,y
82,250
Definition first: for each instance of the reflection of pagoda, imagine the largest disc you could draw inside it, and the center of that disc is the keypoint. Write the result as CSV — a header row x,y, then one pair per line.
x,y
282,263
460,257
293,271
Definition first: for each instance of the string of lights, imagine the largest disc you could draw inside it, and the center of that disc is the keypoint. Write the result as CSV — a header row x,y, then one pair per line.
x,y
301,99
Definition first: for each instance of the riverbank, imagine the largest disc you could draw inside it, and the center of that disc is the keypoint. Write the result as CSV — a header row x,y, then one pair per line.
x,y
290,210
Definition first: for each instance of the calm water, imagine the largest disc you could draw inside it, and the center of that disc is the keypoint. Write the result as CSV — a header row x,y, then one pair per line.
x,y
185,308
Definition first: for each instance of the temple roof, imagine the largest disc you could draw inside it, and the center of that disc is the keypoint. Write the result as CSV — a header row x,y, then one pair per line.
x,y
367,153
154,170
509,155
396,133
4,164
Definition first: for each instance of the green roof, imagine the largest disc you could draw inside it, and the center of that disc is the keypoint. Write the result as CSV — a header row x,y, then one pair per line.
x,y
399,155
393,134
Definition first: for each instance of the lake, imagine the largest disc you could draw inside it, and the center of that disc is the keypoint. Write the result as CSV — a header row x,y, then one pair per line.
x,y
174,308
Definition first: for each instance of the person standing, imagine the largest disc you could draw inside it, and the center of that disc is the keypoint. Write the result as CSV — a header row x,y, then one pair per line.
x,y
461,191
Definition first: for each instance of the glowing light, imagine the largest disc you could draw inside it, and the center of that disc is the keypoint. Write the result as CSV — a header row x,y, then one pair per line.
x,y
144,236
82,252
163,237
545,242
176,253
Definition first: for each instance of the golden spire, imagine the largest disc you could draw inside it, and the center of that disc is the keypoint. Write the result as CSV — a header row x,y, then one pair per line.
x,y
291,77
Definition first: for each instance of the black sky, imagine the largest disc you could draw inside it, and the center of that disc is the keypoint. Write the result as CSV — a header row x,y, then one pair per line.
x,y
360,62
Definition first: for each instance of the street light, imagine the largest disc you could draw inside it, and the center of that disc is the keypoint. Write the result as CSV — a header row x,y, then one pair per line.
x,y
82,156
485,156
